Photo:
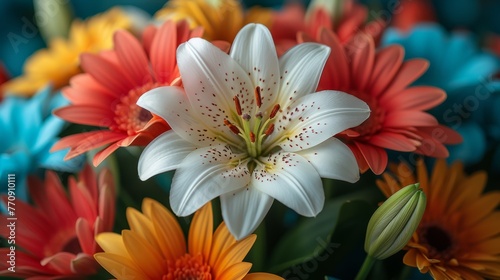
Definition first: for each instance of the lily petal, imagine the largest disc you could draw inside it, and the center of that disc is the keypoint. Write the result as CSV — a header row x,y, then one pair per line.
x,y
300,71
205,174
211,79
316,117
243,210
333,159
172,104
253,48
163,154
293,181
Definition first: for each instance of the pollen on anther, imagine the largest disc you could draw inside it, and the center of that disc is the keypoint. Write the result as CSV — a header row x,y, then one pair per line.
x,y
258,99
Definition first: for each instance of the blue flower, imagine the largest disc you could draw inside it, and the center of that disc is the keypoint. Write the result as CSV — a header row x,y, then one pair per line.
x,y
465,72
28,132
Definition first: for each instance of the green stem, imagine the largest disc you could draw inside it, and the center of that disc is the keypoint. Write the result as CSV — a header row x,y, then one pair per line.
x,y
365,268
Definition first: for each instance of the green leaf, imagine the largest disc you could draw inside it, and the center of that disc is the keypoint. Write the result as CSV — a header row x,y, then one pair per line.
x,y
311,236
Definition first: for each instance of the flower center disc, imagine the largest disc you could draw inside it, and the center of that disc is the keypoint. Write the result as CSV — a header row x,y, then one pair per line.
x,y
374,122
129,117
188,267
439,241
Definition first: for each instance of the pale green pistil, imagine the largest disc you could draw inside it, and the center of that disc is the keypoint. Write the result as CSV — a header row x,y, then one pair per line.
x,y
253,136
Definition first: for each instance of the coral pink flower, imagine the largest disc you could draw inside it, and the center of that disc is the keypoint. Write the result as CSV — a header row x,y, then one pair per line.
x,y
55,237
413,13
106,94
346,21
382,79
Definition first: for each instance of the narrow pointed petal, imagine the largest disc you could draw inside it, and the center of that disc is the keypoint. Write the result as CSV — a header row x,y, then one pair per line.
x,y
253,48
293,181
112,243
205,174
236,272
143,253
261,276
163,154
375,157
120,267
243,210
201,232
60,262
85,235
105,72
222,240
417,98
316,117
409,118
333,159
132,57
169,233
234,254
162,52
85,114
301,69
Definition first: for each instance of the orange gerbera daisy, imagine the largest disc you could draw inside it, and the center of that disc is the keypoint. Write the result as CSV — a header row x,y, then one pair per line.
x,y
107,93
155,248
55,238
458,237
381,79
220,19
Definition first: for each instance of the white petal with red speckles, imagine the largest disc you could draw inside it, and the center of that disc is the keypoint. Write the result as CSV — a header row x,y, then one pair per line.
x,y
163,154
205,174
333,159
292,180
243,210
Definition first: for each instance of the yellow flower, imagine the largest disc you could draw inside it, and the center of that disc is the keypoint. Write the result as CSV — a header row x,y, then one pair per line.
x,y
220,19
155,248
459,236
60,61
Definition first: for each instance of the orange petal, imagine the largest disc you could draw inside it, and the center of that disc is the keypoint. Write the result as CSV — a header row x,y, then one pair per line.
x,y
222,240
262,276
169,233
234,254
201,232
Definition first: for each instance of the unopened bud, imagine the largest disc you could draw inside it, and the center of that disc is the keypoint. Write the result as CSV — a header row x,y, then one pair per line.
x,y
394,222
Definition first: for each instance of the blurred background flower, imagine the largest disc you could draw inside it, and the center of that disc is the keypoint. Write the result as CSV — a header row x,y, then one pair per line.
x,y
465,73
28,132
55,236
106,94
61,60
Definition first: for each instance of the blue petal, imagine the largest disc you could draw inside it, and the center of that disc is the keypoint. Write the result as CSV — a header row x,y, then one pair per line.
x,y
55,160
473,147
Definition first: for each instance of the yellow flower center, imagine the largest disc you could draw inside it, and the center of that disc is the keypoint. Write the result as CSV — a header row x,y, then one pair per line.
x,y
129,117
188,267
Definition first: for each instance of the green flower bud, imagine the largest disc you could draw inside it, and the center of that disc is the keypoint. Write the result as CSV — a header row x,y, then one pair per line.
x,y
53,18
394,222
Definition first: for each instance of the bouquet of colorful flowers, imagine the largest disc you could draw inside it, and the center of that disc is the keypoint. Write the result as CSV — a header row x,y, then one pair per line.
x,y
151,141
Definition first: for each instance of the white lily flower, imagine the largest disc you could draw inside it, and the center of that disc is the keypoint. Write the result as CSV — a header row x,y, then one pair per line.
x,y
246,128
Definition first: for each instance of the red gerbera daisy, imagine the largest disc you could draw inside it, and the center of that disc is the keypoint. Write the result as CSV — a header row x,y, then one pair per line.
x,y
347,21
382,79
106,94
55,236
